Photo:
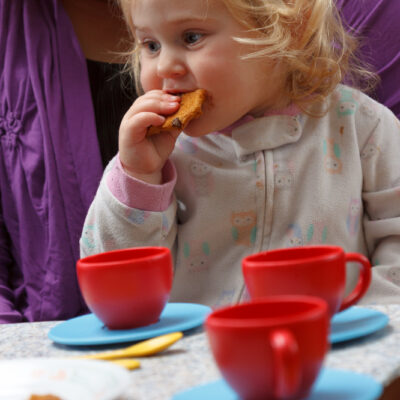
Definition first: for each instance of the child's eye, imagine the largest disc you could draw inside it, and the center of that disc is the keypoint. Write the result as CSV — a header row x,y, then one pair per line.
x,y
151,45
192,37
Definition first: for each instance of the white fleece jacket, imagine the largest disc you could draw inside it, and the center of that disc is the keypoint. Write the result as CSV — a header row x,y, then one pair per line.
x,y
275,181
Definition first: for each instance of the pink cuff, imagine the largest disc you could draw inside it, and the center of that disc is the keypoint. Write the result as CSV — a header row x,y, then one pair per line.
x,y
137,194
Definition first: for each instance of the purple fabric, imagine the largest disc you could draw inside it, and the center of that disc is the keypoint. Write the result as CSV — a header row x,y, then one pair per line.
x,y
377,24
50,162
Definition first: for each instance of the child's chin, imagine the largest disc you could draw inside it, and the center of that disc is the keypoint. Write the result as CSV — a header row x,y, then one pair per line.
x,y
196,130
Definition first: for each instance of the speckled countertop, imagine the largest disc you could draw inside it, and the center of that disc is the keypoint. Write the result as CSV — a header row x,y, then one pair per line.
x,y
189,361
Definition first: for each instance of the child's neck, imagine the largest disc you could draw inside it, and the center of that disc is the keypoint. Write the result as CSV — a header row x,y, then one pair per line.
x,y
274,109
290,110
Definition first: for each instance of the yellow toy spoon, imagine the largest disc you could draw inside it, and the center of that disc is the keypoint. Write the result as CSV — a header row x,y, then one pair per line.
x,y
141,349
128,363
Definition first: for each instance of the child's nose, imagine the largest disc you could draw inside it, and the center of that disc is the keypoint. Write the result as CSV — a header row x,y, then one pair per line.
x,y
170,65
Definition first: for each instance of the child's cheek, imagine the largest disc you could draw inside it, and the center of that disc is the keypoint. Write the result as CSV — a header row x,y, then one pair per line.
x,y
149,79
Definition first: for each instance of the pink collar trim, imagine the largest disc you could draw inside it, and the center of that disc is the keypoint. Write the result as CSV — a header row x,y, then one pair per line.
x,y
291,111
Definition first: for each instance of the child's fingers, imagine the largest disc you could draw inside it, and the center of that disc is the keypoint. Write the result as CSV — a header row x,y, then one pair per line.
x,y
163,104
134,129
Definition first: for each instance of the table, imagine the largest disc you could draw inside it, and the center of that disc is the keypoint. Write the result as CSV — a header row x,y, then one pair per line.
x,y
189,361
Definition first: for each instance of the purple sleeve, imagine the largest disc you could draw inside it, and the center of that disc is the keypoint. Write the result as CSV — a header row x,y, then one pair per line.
x,y
8,313
50,164
141,195
376,23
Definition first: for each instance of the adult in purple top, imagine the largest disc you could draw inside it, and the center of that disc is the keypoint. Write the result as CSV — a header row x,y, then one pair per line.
x,y
376,23
61,101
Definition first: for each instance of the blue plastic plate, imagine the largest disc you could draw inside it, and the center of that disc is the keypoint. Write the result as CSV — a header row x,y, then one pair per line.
x,y
88,330
356,322
332,384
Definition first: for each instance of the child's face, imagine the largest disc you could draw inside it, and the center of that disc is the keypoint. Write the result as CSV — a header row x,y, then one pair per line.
x,y
188,44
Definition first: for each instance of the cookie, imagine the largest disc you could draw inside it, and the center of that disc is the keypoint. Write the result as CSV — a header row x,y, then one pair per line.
x,y
190,108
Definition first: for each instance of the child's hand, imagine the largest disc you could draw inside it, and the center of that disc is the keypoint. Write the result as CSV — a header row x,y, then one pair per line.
x,y
143,157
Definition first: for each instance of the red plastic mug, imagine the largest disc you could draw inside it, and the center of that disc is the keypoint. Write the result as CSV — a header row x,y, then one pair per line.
x,y
309,270
126,288
271,348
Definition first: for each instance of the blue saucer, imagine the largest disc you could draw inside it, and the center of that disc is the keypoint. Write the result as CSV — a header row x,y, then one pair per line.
x,y
332,384
356,322
88,330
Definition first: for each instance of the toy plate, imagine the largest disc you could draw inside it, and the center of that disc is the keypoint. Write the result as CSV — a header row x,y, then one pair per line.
x,y
331,384
88,330
356,322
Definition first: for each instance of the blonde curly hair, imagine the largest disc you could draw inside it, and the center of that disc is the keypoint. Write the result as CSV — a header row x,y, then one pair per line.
x,y
307,37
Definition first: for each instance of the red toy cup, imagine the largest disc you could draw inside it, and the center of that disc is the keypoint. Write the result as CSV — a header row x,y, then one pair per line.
x,y
126,288
271,348
309,270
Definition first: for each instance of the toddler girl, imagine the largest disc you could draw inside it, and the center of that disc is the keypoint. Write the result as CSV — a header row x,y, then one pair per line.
x,y
282,155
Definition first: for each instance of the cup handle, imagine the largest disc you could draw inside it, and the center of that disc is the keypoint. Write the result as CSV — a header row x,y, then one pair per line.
x,y
286,363
363,282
